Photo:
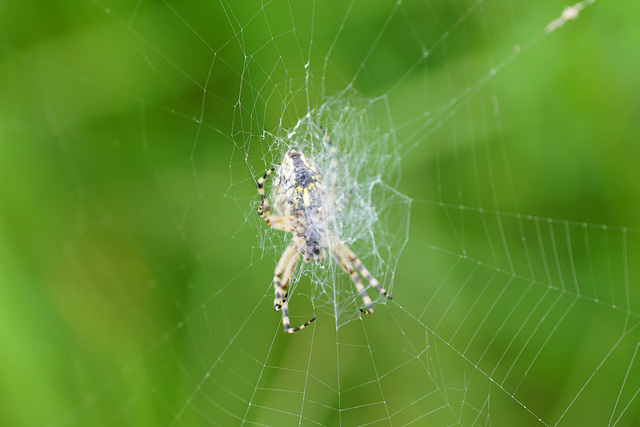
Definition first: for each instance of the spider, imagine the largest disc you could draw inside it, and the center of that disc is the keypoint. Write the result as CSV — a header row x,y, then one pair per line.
x,y
302,201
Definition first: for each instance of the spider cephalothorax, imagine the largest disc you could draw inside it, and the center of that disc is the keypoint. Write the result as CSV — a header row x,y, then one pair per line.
x,y
301,200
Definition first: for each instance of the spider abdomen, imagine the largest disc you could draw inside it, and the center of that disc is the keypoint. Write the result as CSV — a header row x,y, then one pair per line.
x,y
299,187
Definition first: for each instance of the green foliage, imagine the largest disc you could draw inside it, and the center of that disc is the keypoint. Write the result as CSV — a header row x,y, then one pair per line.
x,y
134,277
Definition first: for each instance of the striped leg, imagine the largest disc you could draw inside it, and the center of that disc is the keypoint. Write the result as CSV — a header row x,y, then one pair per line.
x,y
284,270
348,260
367,276
264,210
286,322
341,257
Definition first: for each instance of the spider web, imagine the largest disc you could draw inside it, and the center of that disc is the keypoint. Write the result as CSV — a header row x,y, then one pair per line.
x,y
502,225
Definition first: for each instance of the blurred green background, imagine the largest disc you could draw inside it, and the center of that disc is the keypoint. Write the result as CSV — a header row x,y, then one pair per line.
x,y
134,278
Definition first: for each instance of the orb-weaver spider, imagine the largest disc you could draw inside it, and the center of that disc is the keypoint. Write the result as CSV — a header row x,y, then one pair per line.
x,y
302,201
